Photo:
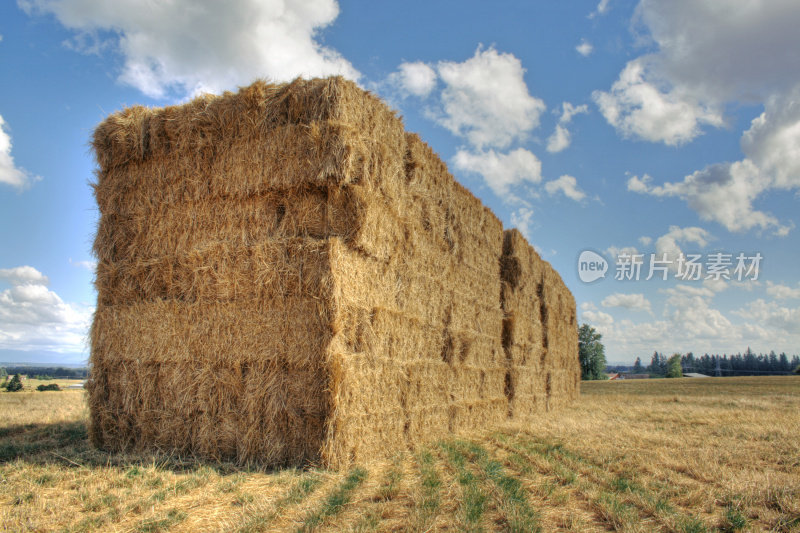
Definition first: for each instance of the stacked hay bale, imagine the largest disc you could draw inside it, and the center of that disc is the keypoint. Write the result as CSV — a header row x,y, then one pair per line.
x,y
284,275
540,335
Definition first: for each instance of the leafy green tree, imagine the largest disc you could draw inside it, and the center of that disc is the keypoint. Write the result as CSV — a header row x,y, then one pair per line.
x,y
591,352
637,367
51,386
674,366
15,384
797,370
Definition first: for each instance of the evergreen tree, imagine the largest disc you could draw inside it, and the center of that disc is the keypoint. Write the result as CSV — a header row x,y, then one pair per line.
x,y
774,365
15,384
637,366
591,353
674,366
663,364
688,363
652,368
783,363
750,361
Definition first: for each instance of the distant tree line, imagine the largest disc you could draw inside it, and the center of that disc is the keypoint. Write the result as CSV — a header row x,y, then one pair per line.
x,y
740,364
45,372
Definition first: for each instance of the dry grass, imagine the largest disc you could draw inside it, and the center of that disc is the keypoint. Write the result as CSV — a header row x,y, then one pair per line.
x,y
660,455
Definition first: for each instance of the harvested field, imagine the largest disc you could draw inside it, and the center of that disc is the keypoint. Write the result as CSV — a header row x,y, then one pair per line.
x,y
286,276
679,455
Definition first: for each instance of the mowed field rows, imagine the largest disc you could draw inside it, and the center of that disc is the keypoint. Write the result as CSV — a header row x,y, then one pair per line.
x,y
679,455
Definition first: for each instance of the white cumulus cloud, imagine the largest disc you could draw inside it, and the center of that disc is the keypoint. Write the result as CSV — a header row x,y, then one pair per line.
x,y
88,265
782,292
598,319
615,251
636,301
744,50
585,48
483,100
561,138
689,321
637,107
566,185
192,46
501,170
23,275
708,57
723,193
486,101
32,317
705,56
784,321
773,141
10,173
416,78
602,7
522,219
668,246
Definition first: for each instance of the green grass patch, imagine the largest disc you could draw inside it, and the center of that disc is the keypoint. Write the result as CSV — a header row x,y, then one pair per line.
x,y
513,498
474,499
44,479
391,485
615,489
261,521
613,512
90,523
162,523
690,524
23,498
243,498
336,500
368,522
429,502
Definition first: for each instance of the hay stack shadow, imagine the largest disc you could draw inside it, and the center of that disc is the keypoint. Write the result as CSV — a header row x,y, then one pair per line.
x,y
67,444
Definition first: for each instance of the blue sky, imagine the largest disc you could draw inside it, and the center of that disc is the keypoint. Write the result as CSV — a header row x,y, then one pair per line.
x,y
615,126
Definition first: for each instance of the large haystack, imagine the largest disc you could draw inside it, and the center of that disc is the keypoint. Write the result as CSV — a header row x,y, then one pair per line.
x,y
540,337
284,275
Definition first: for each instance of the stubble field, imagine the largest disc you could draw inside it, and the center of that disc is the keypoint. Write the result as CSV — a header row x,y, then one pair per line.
x,y
684,455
